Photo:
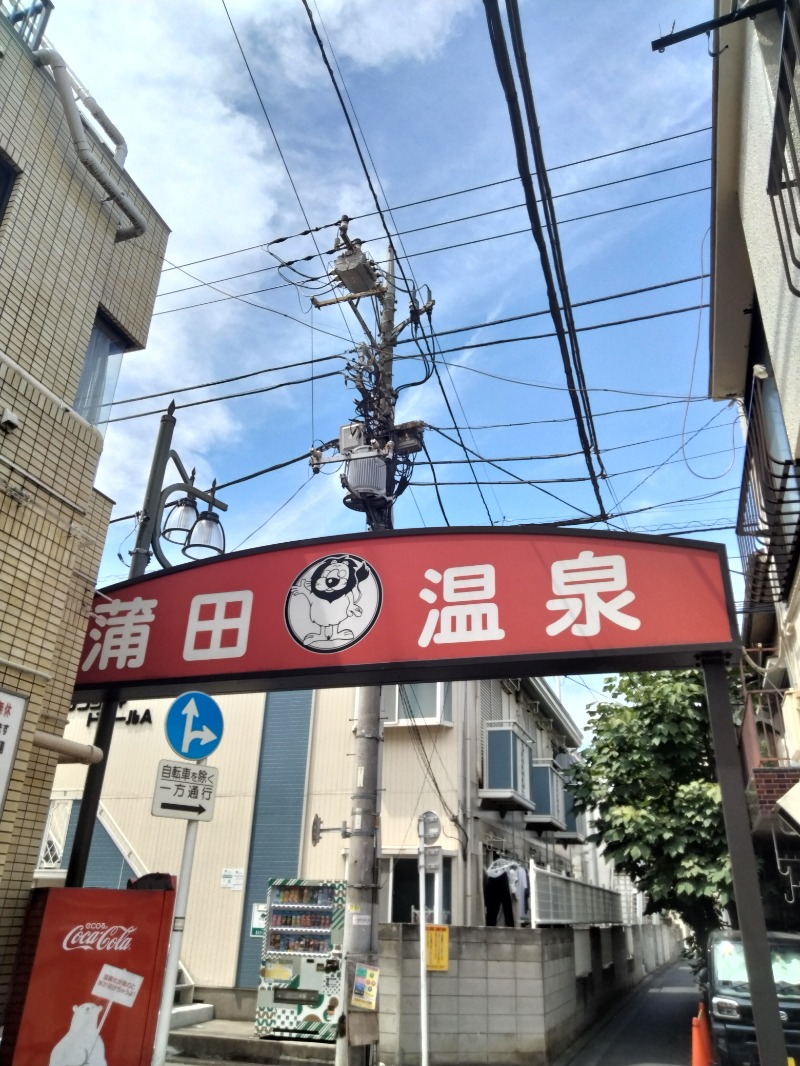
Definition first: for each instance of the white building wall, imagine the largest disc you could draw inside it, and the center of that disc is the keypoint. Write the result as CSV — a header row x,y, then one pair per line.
x,y
780,308
214,912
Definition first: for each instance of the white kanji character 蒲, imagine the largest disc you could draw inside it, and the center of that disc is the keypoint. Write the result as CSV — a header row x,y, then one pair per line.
x,y
120,630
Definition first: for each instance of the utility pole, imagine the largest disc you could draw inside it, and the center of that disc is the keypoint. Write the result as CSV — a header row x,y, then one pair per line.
x,y
378,464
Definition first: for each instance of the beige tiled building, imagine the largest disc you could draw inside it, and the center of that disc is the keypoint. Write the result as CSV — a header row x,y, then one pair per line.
x,y
80,254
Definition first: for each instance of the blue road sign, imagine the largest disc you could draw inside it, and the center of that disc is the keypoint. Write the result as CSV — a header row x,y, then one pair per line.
x,y
194,725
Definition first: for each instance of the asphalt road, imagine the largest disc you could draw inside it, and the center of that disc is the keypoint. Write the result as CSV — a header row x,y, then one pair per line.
x,y
653,1027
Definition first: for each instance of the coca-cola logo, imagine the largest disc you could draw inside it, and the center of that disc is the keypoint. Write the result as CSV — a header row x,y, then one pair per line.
x,y
97,936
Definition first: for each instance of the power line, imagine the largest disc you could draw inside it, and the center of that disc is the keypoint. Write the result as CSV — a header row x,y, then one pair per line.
x,y
459,192
570,356
422,229
442,248
444,333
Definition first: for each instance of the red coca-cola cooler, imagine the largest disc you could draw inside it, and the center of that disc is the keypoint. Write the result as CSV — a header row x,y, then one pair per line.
x,y
88,978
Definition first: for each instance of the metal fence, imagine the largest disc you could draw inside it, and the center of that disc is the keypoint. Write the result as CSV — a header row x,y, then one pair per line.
x,y
560,900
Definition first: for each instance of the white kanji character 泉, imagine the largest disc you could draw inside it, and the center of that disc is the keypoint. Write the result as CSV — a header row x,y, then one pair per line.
x,y
578,583
218,626
120,630
467,616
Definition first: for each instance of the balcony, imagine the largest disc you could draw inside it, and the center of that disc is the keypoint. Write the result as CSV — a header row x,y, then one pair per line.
x,y
560,900
28,20
507,774
768,523
548,792
575,830
769,745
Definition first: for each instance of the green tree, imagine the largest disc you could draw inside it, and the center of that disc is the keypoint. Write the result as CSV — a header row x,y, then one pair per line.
x,y
649,780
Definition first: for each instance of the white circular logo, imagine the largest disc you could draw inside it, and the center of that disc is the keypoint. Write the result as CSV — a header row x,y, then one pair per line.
x,y
333,603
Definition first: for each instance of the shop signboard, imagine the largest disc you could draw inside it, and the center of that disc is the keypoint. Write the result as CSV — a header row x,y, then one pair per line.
x,y
510,602
12,714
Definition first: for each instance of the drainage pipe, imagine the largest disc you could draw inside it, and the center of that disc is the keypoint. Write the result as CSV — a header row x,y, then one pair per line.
x,y
69,750
102,119
48,57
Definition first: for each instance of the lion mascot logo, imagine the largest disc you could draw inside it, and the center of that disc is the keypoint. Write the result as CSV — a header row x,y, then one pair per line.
x,y
333,603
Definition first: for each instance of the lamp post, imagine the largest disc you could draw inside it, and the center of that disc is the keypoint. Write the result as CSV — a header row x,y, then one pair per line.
x,y
200,534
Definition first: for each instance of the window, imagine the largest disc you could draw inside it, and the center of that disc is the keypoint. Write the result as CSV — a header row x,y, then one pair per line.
x,y
426,703
100,372
402,876
8,175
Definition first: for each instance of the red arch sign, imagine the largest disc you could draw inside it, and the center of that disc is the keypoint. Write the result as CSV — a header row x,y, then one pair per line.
x,y
416,604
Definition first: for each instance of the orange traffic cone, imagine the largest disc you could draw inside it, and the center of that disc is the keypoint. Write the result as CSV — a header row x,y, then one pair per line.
x,y
701,1040
705,1031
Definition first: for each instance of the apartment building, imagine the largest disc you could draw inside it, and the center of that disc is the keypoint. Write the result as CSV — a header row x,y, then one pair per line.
x,y
489,757
80,254
755,354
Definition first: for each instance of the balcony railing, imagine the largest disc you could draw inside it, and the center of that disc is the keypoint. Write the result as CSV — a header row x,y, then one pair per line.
x,y
768,523
506,768
29,20
547,791
783,184
560,900
762,735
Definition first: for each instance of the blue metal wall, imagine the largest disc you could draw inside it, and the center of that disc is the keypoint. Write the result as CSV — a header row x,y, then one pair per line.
x,y
106,867
277,813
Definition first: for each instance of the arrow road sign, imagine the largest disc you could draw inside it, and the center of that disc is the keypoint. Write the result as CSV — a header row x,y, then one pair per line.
x,y
182,807
185,791
194,725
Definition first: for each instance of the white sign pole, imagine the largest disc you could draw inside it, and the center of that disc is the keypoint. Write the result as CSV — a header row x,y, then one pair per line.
x,y
423,952
428,829
175,940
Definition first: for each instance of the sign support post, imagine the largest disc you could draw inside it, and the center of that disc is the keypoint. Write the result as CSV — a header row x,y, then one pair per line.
x,y
749,906
175,941
92,790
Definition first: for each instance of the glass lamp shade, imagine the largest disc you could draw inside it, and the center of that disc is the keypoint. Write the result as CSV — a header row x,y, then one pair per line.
x,y
207,537
180,520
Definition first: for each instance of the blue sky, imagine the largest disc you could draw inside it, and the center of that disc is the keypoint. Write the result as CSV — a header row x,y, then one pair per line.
x,y
424,90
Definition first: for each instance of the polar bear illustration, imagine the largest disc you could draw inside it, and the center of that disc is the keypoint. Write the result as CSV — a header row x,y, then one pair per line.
x,y
82,1045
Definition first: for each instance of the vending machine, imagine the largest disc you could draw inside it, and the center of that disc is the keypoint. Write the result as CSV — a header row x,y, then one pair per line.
x,y
300,993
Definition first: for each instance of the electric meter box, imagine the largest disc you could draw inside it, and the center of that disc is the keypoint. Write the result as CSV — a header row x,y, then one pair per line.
x,y
351,436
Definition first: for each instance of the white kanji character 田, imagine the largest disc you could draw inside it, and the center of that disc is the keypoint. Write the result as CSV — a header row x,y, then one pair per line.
x,y
467,616
120,630
578,583
218,626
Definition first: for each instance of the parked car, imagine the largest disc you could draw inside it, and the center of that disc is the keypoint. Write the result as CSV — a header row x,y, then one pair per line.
x,y
727,988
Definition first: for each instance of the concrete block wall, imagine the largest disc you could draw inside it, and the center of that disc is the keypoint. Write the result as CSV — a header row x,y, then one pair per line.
x,y
510,995
59,266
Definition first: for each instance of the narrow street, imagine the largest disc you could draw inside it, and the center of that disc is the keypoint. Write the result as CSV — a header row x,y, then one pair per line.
x,y
653,1028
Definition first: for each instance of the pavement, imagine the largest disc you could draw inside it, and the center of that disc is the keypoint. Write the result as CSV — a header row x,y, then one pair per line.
x,y
651,1026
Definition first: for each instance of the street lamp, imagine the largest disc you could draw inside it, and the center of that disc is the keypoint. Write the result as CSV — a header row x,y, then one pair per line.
x,y
201,535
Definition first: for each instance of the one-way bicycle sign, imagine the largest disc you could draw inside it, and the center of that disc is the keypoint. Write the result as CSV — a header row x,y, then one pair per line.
x,y
184,790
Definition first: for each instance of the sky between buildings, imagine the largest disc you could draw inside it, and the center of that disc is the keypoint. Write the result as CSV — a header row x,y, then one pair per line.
x,y
627,143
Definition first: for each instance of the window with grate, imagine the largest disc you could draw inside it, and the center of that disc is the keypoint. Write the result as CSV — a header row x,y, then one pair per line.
x,y
8,175
101,368
783,184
